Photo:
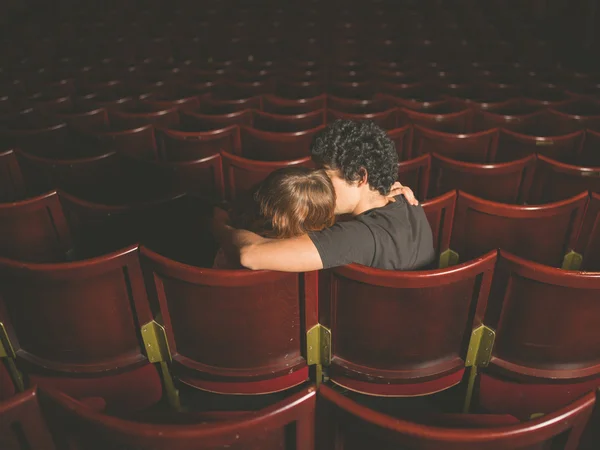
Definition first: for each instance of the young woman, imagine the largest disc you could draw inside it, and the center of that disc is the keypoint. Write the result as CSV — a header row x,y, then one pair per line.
x,y
290,202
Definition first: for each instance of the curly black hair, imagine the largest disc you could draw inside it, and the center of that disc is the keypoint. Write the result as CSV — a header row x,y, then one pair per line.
x,y
351,147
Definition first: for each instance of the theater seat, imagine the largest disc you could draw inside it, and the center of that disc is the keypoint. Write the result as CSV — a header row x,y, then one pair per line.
x,y
440,215
542,371
77,326
12,187
415,173
345,424
383,338
541,233
588,242
268,146
475,147
260,346
265,429
185,144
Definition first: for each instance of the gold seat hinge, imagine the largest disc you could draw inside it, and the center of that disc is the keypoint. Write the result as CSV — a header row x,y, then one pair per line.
x,y
572,261
448,258
7,353
318,345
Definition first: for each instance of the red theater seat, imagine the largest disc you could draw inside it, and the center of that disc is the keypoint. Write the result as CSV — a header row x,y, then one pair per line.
x,y
279,105
403,139
85,118
588,243
590,151
242,174
194,121
448,122
144,114
502,182
247,361
139,142
346,425
279,123
513,145
355,301
415,172
185,145
269,146
475,147
12,187
541,233
265,429
34,230
76,326
22,425
386,119
218,106
531,370
440,215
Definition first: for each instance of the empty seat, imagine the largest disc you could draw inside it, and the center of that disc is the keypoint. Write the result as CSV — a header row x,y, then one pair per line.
x,y
500,182
139,142
555,181
475,147
541,233
415,174
513,145
48,138
523,122
173,98
386,119
265,429
545,353
82,118
12,187
280,123
361,304
144,114
440,215
378,104
244,362
590,151
194,121
269,146
76,326
588,243
451,122
182,145
278,105
346,424
22,425
93,177
299,89
403,139
219,106
34,230
575,116
242,174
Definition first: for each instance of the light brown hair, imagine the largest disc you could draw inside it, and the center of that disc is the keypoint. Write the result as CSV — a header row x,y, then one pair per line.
x,y
290,202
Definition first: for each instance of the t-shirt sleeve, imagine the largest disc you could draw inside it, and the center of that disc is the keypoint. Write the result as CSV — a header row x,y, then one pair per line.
x,y
344,243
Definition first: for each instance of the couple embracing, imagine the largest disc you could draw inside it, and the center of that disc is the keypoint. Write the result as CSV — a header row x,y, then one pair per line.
x,y
288,224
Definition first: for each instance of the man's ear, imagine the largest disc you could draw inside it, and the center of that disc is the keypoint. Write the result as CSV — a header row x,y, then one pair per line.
x,y
364,176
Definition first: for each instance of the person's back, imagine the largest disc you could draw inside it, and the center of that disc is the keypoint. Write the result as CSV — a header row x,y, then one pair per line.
x,y
385,232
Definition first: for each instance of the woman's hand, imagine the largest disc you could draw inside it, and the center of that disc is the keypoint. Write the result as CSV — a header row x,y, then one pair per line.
x,y
398,189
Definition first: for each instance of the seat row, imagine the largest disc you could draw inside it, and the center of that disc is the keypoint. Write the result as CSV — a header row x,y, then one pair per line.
x,y
323,420
105,327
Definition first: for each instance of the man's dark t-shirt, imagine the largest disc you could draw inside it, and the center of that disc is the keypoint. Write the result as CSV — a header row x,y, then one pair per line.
x,y
396,236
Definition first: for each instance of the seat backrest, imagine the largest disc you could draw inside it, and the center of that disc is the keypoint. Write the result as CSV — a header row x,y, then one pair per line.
x,y
77,318
89,119
352,106
542,233
385,119
47,140
243,174
522,123
513,145
403,138
279,105
218,106
378,320
136,142
440,215
346,425
267,146
590,150
588,243
89,177
453,122
543,318
573,117
555,181
22,425
476,147
266,354
12,187
34,230
414,173
175,145
132,119
194,121
280,123
503,182
286,425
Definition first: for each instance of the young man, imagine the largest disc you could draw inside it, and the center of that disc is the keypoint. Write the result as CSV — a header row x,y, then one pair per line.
x,y
385,231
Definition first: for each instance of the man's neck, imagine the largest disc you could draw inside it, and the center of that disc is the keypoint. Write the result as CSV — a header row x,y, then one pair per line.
x,y
371,201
